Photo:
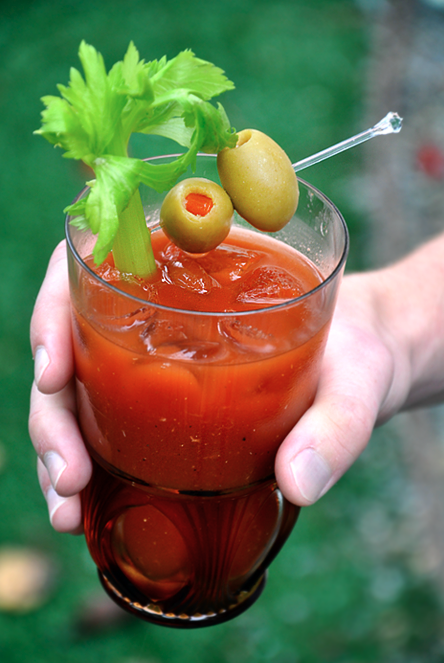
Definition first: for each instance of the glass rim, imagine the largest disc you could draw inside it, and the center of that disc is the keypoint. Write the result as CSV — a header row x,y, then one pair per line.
x,y
264,309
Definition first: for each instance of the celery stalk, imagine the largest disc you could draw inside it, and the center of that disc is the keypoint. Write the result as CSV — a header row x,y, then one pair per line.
x,y
132,250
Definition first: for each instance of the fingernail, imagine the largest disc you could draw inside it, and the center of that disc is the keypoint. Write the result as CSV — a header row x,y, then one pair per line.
x,y
41,363
54,502
311,474
55,465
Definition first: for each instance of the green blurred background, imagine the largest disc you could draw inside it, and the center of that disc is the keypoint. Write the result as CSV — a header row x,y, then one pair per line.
x,y
350,584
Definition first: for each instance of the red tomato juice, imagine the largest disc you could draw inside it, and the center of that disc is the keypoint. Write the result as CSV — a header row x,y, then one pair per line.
x,y
184,396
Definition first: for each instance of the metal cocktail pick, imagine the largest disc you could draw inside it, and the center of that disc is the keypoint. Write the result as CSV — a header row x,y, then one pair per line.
x,y
390,124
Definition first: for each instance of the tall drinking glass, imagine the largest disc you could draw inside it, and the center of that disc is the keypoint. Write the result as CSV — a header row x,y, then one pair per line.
x,y
183,411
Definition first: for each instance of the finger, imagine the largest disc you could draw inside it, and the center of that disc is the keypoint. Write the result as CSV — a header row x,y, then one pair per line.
x,y
51,327
58,441
355,379
65,513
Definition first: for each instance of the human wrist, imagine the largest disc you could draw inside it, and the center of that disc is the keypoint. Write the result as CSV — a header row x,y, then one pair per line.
x,y
410,305
391,327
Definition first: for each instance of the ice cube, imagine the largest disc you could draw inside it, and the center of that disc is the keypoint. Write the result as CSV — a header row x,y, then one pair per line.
x,y
160,333
247,337
167,339
116,319
207,351
106,308
183,271
269,285
132,285
108,273
228,263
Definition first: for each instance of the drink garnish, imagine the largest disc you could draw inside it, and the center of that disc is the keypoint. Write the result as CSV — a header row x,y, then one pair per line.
x,y
93,119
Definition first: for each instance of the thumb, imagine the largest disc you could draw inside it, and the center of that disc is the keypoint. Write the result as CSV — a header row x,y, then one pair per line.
x,y
356,376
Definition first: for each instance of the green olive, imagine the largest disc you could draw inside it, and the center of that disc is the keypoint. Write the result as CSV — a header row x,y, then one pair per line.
x,y
260,180
196,215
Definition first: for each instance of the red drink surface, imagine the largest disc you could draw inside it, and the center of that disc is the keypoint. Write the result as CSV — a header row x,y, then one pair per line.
x,y
195,402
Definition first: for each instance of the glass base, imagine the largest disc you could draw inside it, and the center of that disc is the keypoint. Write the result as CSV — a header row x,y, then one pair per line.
x,y
152,613
179,559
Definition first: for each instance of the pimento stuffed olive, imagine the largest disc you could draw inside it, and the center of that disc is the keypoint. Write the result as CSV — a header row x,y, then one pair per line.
x,y
196,215
260,180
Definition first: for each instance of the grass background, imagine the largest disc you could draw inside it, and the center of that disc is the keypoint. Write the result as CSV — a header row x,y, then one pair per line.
x,y
349,585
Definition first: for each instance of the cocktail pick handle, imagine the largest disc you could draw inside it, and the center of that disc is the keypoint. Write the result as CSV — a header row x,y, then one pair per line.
x,y
390,124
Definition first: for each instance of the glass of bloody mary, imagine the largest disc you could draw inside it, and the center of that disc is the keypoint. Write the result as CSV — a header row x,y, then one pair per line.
x,y
187,383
